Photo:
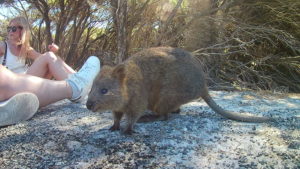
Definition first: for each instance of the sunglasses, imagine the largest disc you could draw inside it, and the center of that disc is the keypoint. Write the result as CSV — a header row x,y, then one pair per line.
x,y
13,28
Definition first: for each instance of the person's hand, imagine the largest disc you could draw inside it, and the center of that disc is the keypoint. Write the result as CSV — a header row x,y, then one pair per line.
x,y
53,48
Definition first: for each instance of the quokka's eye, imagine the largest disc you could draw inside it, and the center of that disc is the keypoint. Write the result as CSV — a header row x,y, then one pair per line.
x,y
104,91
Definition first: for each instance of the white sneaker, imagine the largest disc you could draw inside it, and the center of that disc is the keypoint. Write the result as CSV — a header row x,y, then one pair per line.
x,y
81,82
19,107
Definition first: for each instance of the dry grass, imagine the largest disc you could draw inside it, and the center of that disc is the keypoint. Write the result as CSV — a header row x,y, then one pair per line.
x,y
256,48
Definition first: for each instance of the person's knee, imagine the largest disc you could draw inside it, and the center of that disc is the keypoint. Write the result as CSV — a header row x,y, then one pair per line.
x,y
2,75
50,56
3,83
6,77
2,92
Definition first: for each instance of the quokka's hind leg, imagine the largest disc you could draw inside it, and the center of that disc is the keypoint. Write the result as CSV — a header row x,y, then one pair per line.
x,y
150,118
176,111
162,111
117,118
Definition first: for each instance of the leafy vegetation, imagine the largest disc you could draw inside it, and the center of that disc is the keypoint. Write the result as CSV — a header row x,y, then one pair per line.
x,y
243,44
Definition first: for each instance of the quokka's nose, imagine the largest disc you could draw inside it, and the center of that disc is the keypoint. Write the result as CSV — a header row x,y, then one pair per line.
x,y
89,105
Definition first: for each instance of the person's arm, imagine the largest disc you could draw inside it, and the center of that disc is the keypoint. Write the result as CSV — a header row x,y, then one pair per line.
x,y
33,54
53,48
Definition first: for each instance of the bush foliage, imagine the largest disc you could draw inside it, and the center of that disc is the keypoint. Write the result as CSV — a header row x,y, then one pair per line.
x,y
243,44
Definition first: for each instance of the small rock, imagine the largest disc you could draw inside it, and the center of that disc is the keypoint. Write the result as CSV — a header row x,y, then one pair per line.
x,y
294,145
73,145
50,145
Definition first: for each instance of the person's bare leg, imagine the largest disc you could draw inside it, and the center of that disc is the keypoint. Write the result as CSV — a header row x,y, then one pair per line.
x,y
51,64
47,91
74,88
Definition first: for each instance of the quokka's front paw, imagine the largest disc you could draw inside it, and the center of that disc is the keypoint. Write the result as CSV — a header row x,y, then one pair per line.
x,y
114,127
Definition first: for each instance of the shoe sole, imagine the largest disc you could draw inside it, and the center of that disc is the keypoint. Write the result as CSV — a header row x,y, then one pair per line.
x,y
19,107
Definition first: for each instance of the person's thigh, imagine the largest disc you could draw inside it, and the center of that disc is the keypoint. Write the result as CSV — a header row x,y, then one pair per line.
x,y
6,80
39,67
49,65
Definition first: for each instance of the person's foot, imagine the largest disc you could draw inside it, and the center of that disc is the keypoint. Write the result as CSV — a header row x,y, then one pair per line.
x,y
19,107
81,82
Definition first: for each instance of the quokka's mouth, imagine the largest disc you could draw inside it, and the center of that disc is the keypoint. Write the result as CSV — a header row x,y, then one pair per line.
x,y
96,108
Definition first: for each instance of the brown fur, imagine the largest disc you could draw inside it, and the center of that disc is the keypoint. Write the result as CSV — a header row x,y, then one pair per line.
x,y
158,79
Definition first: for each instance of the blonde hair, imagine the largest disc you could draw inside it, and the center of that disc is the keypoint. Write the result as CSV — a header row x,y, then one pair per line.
x,y
25,34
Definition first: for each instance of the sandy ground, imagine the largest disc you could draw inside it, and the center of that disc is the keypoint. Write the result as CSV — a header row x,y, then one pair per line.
x,y
66,135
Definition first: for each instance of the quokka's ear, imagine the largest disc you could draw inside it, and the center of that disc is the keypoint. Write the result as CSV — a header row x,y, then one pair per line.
x,y
105,71
119,72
